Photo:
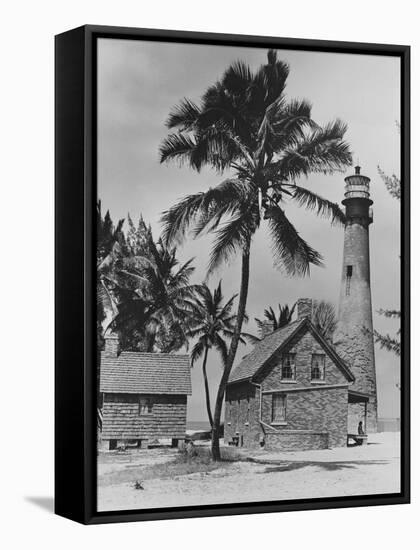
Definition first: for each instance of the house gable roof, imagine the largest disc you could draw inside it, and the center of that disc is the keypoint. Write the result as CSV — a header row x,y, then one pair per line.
x,y
152,373
252,363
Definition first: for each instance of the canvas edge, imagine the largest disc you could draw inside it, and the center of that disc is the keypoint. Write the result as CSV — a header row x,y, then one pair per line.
x,y
69,385
76,492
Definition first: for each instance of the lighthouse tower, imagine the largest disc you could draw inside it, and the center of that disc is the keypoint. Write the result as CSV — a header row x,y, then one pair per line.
x,y
354,338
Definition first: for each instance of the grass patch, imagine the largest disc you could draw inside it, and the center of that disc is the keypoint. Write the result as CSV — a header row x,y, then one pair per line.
x,y
186,462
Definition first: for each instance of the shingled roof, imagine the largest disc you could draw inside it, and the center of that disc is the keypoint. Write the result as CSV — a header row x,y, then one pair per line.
x,y
153,373
264,350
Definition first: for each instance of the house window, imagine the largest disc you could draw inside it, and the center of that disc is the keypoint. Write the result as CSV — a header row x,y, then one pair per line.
x,y
318,366
145,406
288,369
247,411
349,273
229,412
278,408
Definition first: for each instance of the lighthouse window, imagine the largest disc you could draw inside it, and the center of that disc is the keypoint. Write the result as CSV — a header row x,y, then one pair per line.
x,y
349,273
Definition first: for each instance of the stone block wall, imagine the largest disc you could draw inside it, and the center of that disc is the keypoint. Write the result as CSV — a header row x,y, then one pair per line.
x,y
319,410
356,414
303,346
354,336
312,405
296,441
238,421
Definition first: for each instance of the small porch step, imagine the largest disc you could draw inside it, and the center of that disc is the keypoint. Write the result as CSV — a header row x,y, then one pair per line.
x,y
357,438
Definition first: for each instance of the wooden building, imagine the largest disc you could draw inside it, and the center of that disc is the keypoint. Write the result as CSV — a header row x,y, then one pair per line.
x,y
144,396
292,392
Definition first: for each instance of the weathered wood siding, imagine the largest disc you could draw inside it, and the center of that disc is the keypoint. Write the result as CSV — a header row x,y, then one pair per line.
x,y
122,421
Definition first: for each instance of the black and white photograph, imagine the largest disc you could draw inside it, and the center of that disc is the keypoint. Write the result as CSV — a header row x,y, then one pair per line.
x,y
248,287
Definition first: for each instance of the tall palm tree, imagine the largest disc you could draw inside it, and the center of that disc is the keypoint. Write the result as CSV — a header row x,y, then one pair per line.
x,y
213,324
245,124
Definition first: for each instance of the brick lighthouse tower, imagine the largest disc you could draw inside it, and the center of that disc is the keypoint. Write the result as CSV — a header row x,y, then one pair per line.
x,y
354,338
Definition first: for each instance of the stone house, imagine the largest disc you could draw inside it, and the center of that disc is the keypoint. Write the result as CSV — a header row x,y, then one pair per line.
x,y
292,392
144,396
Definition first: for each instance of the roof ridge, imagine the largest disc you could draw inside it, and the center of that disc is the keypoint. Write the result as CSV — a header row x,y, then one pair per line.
x,y
156,354
263,350
144,372
284,327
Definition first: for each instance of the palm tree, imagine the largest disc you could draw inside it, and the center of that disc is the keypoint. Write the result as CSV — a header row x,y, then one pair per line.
x,y
244,124
390,343
109,239
151,291
325,319
214,323
275,321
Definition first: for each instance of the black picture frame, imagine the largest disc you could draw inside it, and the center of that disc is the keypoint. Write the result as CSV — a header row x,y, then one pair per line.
x,y
75,350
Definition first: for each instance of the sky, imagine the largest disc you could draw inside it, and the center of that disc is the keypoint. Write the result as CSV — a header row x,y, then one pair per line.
x,y
138,84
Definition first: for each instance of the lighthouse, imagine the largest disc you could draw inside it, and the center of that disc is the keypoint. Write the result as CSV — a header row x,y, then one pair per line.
x,y
354,335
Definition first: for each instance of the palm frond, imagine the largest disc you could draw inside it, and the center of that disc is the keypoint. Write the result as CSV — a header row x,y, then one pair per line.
x,y
233,236
390,313
227,308
388,343
183,116
291,123
196,352
183,275
224,111
219,201
266,131
215,146
179,147
177,220
392,183
323,151
237,78
290,251
323,207
269,81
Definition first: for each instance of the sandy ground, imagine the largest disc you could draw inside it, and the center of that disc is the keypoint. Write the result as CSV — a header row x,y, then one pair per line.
x,y
369,469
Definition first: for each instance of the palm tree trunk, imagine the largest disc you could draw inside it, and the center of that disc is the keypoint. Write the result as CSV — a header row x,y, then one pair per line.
x,y
243,295
206,387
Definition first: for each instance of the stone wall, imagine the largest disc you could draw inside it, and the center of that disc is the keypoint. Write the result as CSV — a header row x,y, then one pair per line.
x,y
238,422
122,421
311,405
356,414
303,346
354,337
296,441
318,410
